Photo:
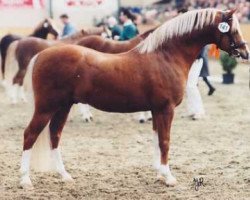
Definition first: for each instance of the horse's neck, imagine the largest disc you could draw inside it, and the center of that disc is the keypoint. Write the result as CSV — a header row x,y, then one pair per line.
x,y
40,34
127,45
186,49
135,40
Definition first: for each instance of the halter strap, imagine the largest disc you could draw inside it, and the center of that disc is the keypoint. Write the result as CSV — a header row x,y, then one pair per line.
x,y
233,45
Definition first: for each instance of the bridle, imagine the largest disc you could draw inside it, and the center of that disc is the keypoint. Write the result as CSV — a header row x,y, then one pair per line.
x,y
234,47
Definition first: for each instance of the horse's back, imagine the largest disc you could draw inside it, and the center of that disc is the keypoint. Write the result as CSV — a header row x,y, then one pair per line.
x,y
92,41
69,60
75,53
34,42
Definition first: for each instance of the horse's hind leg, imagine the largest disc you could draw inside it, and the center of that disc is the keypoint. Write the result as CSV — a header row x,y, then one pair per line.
x,y
85,112
162,123
141,117
18,86
56,126
37,124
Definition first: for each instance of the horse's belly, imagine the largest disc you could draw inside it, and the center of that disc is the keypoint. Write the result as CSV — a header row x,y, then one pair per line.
x,y
119,104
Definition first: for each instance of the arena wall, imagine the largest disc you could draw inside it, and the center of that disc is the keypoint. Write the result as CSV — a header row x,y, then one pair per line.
x,y
23,20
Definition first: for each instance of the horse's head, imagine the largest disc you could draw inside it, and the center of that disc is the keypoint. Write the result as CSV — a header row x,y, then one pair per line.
x,y
228,35
49,27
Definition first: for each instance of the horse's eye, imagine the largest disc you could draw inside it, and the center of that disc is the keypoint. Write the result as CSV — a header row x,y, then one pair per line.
x,y
45,25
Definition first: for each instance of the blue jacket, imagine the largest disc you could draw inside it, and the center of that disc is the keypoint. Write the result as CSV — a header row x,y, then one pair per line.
x,y
68,29
129,31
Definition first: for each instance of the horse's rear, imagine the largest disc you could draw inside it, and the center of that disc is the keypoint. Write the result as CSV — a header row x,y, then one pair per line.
x,y
26,49
18,56
4,45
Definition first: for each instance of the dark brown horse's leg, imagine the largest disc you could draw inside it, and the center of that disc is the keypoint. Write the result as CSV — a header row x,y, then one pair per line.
x,y
37,124
56,126
163,121
18,90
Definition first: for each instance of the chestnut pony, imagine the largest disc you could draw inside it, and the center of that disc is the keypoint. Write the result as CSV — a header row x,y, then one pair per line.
x,y
152,76
41,31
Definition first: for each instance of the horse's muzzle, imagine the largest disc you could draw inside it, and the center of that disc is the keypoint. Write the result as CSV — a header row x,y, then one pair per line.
x,y
237,53
244,55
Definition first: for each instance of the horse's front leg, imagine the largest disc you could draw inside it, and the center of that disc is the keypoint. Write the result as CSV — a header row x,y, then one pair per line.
x,y
162,124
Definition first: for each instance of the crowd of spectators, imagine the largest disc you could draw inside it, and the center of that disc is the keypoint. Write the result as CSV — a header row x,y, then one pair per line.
x,y
242,5
168,10
164,10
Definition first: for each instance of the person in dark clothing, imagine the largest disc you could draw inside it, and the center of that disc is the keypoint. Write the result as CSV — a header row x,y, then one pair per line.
x,y
205,71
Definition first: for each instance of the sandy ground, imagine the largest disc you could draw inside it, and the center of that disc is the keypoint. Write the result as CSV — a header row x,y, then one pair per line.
x,y
111,158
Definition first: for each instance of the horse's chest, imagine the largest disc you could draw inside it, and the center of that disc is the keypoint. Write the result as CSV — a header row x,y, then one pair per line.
x,y
171,93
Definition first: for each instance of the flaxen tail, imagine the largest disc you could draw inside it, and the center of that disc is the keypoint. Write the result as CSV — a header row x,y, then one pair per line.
x,y
41,152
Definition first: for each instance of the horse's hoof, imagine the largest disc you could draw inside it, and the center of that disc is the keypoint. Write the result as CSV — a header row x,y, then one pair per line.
x,y
160,177
197,116
87,120
26,184
142,121
171,181
67,178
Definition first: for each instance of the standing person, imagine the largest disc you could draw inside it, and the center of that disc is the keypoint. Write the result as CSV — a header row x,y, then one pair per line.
x,y
68,28
205,72
129,28
194,102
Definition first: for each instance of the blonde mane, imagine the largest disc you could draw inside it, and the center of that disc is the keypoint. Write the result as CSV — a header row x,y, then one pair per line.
x,y
180,25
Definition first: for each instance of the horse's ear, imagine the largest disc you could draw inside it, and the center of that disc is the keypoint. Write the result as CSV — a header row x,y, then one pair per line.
x,y
231,12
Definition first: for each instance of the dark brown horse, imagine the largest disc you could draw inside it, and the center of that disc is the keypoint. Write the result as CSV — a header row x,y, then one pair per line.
x,y
41,31
151,76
